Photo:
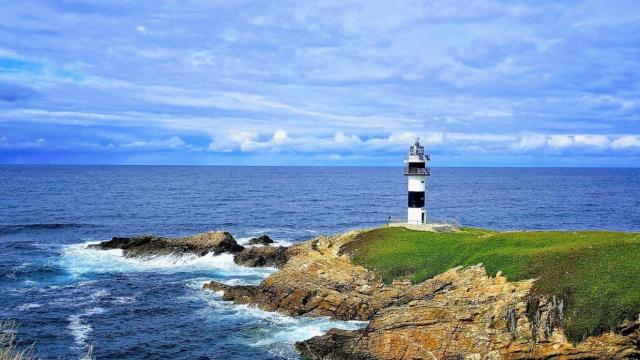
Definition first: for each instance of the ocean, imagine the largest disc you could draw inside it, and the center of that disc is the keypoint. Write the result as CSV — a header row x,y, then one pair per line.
x,y
66,298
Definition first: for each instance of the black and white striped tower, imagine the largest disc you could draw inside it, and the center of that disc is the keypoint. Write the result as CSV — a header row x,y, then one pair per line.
x,y
416,172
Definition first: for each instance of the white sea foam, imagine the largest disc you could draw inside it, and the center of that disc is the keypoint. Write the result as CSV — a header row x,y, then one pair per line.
x,y
79,328
276,242
283,242
276,333
78,260
96,295
123,300
243,240
29,306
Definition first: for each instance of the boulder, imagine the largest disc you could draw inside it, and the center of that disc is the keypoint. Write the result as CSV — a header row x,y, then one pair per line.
x,y
263,256
241,294
261,240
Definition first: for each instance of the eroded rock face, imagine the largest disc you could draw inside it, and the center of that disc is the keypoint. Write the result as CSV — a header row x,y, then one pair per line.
x,y
201,244
467,315
460,314
317,281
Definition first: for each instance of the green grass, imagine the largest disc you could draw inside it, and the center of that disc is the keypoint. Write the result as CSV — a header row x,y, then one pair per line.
x,y
597,273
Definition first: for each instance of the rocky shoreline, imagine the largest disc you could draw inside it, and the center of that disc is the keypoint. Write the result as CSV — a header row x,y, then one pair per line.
x,y
214,242
460,314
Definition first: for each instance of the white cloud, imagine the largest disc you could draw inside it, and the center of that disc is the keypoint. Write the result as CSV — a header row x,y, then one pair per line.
x,y
532,141
342,140
173,142
247,141
480,137
280,136
350,143
597,141
492,113
625,142
5,143
141,29
559,141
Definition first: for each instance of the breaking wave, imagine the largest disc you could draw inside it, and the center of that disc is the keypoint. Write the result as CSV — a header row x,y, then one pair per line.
x,y
273,332
77,259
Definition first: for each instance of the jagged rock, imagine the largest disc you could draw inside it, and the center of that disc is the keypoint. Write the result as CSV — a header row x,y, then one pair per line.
x,y
261,240
334,345
241,294
468,316
148,245
460,314
262,256
317,281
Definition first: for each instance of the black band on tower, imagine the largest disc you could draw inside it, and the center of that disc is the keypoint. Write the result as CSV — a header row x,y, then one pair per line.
x,y
416,199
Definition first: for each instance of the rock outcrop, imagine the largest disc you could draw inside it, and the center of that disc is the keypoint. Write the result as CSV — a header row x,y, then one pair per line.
x,y
460,314
215,242
467,315
261,240
315,281
262,256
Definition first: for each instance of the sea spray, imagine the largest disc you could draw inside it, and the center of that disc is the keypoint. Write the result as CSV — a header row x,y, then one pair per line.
x,y
77,259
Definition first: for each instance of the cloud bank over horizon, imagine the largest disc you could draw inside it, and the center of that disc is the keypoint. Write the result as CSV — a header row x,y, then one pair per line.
x,y
482,83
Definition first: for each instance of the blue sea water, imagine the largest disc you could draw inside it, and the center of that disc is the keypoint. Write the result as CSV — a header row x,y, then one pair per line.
x,y
66,298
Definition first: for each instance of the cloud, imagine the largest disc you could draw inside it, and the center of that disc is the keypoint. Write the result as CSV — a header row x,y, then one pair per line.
x,y
173,142
11,92
280,136
532,141
626,142
597,141
6,144
560,141
345,144
244,79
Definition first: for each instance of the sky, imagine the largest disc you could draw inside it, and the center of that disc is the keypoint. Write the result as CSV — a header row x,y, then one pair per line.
x,y
482,83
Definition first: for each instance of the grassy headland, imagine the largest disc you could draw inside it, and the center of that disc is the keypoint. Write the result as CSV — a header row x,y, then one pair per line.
x,y
597,273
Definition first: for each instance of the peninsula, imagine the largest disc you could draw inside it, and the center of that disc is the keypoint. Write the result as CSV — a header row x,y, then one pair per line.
x,y
472,293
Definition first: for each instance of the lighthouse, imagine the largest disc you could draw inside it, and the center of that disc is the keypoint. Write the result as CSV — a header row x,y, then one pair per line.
x,y
416,172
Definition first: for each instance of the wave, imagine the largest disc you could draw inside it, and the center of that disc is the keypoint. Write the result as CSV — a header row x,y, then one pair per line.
x,y
274,332
28,306
79,328
77,260
280,242
6,229
30,270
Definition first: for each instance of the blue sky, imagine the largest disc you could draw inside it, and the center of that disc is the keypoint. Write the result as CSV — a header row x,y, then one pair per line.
x,y
483,83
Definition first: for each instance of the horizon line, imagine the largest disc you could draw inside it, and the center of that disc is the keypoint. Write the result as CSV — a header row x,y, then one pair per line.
x,y
334,166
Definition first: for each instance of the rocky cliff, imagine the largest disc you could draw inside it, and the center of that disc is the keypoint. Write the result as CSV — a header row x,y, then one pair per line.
x,y
460,314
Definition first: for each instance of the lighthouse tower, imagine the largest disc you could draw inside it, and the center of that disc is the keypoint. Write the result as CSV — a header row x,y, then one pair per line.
x,y
416,172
